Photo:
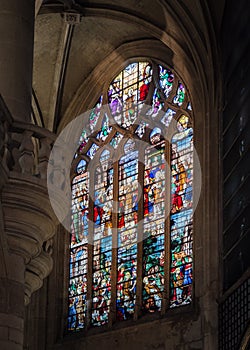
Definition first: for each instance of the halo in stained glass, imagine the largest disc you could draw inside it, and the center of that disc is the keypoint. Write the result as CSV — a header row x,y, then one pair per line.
x,y
182,123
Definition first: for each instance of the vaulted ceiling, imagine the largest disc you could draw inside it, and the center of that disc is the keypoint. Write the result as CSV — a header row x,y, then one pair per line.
x,y
65,55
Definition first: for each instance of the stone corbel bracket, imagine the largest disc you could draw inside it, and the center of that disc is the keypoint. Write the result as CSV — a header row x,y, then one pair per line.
x,y
29,220
30,224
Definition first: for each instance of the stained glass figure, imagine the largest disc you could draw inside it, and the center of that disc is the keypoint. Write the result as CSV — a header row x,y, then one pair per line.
x,y
116,140
92,150
80,199
181,214
156,104
83,140
154,226
181,275
180,95
128,91
155,136
166,80
141,197
141,129
115,97
168,116
145,78
102,255
95,114
105,130
78,248
127,232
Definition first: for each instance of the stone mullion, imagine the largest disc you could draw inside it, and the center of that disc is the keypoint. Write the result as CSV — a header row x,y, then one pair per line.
x,y
166,292
112,317
90,253
139,282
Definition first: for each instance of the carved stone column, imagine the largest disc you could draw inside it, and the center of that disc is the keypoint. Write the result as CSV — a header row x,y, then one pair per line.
x,y
16,42
11,304
27,221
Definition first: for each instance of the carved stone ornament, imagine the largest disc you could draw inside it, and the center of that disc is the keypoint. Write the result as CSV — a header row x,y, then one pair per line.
x,y
29,223
29,220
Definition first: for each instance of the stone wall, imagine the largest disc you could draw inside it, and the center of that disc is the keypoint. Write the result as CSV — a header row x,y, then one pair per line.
x,y
235,152
235,125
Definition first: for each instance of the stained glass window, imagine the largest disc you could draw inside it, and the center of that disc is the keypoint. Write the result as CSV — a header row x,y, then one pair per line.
x,y
132,201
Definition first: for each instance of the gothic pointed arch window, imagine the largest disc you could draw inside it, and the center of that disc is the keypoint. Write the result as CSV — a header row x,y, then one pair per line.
x,y
132,205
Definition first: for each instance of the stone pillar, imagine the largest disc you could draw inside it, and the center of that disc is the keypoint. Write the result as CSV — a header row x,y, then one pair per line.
x,y
12,305
16,59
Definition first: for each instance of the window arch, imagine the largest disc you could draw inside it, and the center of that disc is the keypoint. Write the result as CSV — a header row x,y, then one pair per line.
x,y
131,233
